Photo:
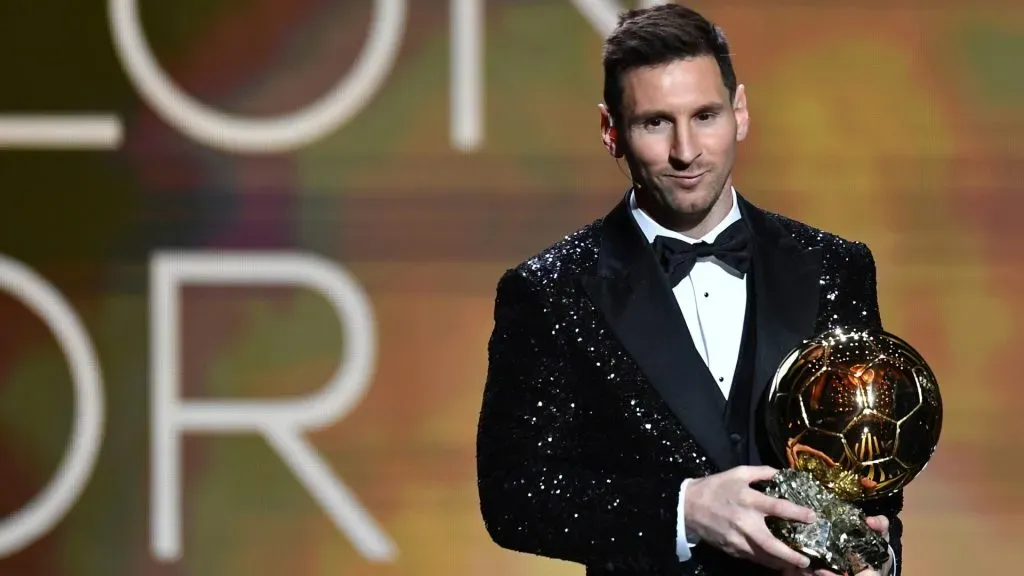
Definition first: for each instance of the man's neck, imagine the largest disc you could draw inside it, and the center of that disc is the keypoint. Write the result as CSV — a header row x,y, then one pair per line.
x,y
690,225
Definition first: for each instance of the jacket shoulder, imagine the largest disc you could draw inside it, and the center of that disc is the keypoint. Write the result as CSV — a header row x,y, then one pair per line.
x,y
574,255
833,245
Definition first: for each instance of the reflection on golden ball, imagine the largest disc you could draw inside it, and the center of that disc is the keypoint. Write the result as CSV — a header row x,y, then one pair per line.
x,y
860,411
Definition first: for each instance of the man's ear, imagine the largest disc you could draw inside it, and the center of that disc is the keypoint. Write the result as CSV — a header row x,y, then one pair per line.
x,y
739,108
610,133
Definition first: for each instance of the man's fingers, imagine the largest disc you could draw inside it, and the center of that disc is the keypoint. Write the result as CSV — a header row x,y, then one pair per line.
x,y
780,508
774,548
753,474
879,524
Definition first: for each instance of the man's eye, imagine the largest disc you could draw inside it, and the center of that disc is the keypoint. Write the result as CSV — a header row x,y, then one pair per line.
x,y
706,116
654,123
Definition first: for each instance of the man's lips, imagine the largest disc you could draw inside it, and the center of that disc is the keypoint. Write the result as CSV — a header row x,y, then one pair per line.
x,y
687,176
688,180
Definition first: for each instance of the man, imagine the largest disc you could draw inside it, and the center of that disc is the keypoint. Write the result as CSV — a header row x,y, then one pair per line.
x,y
622,420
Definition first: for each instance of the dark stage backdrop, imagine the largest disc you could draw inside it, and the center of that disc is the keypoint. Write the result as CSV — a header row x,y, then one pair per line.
x,y
250,249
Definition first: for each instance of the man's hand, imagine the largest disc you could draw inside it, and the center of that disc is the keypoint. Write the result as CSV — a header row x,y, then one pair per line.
x,y
879,524
724,511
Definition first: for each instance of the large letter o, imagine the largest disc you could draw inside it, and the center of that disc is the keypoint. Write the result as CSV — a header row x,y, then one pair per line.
x,y
48,508
246,135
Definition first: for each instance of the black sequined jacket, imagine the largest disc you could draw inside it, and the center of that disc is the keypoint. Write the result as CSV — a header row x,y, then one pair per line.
x,y
590,418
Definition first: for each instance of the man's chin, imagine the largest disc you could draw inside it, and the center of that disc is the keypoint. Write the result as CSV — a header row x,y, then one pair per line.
x,y
691,202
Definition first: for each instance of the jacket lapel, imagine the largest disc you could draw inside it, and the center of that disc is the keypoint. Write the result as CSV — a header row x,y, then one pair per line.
x,y
786,280
633,294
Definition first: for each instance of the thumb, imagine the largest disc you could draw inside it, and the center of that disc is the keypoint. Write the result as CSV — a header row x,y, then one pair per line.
x,y
879,524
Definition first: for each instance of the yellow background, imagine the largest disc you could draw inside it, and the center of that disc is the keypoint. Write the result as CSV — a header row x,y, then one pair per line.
x,y
897,123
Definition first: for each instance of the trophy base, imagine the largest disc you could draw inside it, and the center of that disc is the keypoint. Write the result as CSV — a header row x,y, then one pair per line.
x,y
839,539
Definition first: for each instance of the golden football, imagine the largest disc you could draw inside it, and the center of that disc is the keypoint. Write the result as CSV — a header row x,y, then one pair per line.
x,y
859,411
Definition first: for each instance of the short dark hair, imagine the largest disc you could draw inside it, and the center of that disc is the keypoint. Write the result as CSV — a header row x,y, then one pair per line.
x,y
659,35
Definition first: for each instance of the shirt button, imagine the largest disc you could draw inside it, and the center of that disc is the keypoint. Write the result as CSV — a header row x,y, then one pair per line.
x,y
721,378
705,294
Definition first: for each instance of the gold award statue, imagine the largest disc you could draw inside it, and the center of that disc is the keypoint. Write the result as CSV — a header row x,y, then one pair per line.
x,y
855,416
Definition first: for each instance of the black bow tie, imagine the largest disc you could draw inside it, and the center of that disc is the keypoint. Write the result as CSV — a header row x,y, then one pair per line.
x,y
677,257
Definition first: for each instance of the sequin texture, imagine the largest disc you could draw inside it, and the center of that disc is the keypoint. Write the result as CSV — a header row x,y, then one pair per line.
x,y
578,457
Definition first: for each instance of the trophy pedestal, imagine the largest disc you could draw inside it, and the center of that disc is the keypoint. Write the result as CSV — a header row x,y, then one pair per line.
x,y
839,539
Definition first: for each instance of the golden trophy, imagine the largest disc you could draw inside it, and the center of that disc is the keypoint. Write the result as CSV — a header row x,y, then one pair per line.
x,y
856,416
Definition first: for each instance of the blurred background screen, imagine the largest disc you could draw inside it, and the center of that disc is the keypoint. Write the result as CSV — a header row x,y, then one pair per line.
x,y
183,181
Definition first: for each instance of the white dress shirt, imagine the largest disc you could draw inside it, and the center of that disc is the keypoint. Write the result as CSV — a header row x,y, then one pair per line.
x,y
713,300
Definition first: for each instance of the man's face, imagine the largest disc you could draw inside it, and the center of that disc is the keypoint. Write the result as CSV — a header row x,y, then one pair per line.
x,y
680,131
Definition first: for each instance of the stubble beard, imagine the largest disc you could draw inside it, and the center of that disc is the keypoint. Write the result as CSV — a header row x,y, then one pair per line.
x,y
680,212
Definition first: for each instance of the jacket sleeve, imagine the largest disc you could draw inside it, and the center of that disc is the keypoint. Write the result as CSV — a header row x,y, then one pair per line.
x,y
860,298
538,493
862,295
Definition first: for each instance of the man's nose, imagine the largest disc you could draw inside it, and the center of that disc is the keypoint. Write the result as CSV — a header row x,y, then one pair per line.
x,y
685,147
